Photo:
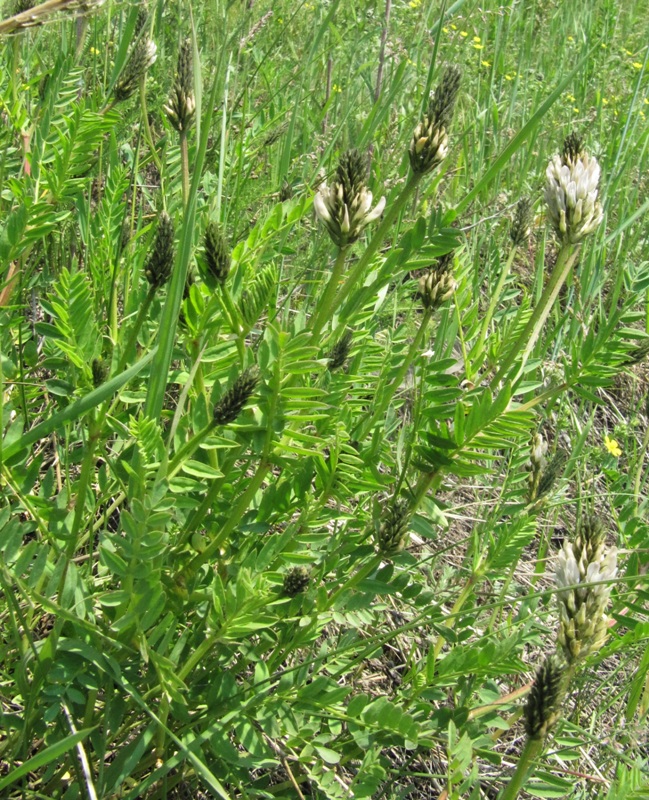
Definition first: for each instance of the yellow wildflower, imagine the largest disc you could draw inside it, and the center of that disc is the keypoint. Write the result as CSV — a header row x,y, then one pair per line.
x,y
571,39
486,63
477,39
454,27
612,446
464,34
636,65
479,46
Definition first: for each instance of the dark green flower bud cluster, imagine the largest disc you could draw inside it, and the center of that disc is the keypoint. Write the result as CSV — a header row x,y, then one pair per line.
x,y
543,707
142,57
296,581
340,351
233,401
161,260
217,256
522,223
99,371
393,533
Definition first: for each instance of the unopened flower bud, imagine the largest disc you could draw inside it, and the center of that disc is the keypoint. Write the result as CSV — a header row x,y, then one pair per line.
x,y
99,371
438,285
142,57
161,260
393,533
340,351
429,144
296,581
543,707
345,207
233,401
181,106
522,223
217,256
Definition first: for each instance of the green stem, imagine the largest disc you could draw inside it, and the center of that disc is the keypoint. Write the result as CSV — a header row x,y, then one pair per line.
x,y
376,241
356,578
532,750
240,508
87,471
457,606
233,321
132,339
495,297
323,314
526,341
188,448
638,474
363,428
147,128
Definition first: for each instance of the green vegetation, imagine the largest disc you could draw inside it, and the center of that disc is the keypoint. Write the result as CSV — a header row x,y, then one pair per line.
x,y
323,385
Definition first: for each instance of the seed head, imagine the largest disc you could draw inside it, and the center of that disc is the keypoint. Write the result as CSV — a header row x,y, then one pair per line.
x,y
181,105
571,192
142,57
345,206
522,223
161,260
296,581
543,707
429,144
583,622
217,256
231,404
393,533
340,351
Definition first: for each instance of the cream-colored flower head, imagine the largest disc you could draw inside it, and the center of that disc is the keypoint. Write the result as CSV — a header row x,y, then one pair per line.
x,y
571,192
345,206
583,620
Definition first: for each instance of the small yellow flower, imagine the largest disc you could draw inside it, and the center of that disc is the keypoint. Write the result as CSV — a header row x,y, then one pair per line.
x,y
414,3
453,27
479,46
445,30
477,39
612,446
570,98
604,45
636,65
628,52
94,51
486,63
509,77
646,101
464,34
604,101
336,88
576,110
571,39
